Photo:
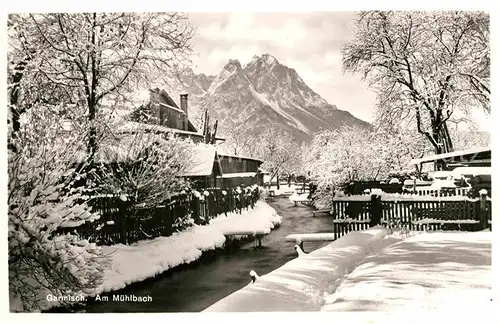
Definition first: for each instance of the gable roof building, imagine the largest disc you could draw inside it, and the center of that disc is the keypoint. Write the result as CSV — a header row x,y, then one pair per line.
x,y
167,116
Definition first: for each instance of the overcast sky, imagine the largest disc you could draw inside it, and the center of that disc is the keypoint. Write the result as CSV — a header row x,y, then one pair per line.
x,y
310,43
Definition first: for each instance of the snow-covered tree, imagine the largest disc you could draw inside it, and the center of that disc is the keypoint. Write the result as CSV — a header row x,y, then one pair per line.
x,y
425,65
337,158
143,166
278,150
41,202
92,59
238,138
470,138
400,143
341,156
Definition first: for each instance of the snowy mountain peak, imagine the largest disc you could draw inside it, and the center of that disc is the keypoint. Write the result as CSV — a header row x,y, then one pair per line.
x,y
232,65
265,60
266,93
269,59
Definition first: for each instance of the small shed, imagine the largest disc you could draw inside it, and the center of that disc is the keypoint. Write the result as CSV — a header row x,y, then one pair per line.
x,y
239,171
204,167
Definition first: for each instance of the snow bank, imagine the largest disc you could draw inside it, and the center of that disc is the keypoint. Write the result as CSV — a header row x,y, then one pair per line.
x,y
146,259
299,284
262,218
137,262
310,237
445,271
163,253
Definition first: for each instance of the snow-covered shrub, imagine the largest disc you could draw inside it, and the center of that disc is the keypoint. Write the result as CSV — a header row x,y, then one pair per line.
x,y
181,223
145,166
41,259
197,194
264,193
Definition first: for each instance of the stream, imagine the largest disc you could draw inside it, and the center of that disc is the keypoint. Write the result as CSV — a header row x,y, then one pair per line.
x,y
196,288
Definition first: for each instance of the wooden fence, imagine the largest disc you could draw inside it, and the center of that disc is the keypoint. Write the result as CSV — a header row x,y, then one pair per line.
x,y
125,222
425,214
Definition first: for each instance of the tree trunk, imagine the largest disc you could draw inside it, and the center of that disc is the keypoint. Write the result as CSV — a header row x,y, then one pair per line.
x,y
92,100
277,180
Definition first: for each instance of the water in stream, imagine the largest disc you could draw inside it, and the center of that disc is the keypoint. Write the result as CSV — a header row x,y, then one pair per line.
x,y
196,288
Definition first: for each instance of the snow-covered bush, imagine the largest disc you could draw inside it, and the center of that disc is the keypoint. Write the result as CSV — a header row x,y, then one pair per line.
x,y
181,223
264,193
145,166
41,259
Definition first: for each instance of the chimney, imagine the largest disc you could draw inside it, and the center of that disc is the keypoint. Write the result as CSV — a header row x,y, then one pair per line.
x,y
184,107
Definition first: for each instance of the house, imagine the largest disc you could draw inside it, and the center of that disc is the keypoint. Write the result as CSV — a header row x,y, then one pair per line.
x,y
162,114
207,168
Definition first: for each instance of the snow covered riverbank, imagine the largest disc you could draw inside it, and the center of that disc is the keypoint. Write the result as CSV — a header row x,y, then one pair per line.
x,y
163,253
146,259
425,271
300,284
437,271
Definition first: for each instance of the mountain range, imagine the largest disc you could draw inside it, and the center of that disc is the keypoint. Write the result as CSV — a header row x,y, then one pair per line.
x,y
263,93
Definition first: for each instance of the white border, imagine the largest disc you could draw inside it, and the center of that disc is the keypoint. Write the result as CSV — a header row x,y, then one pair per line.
x,y
465,316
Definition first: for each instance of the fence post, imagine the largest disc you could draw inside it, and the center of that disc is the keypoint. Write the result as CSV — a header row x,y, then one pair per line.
x,y
376,210
123,217
168,218
483,208
195,204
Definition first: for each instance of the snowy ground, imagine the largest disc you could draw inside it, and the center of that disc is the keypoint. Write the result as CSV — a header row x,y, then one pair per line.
x,y
145,259
374,271
302,197
445,271
300,284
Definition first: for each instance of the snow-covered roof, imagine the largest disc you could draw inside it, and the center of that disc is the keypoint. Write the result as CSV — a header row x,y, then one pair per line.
x,y
240,157
131,126
173,108
239,175
449,155
202,162
471,171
